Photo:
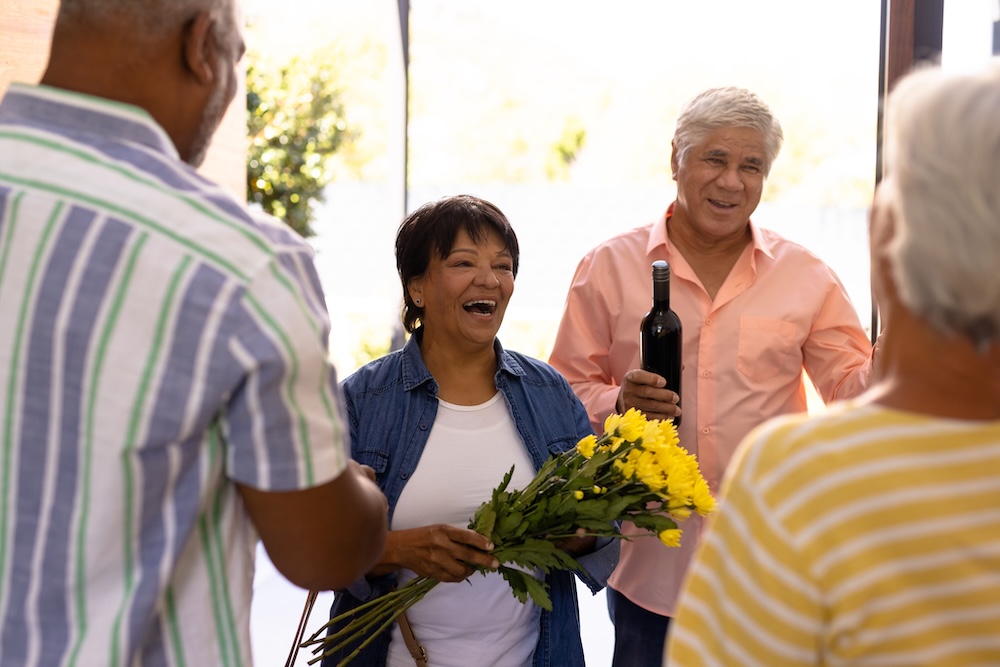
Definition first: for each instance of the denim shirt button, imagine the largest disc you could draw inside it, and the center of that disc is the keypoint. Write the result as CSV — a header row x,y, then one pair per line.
x,y
423,426
404,475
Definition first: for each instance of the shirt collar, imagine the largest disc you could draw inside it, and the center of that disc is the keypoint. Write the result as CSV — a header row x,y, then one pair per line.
x,y
760,242
79,114
659,238
415,372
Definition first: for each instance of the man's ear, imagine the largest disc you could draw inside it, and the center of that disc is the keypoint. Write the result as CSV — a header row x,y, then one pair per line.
x,y
198,47
673,160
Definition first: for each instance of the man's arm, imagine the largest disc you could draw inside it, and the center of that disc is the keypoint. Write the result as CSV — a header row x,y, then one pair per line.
x,y
582,354
324,537
583,345
838,355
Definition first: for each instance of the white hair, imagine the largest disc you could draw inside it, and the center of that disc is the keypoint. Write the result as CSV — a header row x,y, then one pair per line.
x,y
943,169
729,106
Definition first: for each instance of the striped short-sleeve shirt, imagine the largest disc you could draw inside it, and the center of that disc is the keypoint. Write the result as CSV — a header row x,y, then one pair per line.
x,y
157,344
863,537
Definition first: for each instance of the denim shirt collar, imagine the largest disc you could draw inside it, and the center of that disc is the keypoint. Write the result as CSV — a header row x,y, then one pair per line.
x,y
414,370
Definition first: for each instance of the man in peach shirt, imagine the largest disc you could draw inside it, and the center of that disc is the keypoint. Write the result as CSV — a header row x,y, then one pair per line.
x,y
756,310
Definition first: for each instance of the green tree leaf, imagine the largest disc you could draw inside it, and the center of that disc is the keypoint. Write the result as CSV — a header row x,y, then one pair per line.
x,y
295,123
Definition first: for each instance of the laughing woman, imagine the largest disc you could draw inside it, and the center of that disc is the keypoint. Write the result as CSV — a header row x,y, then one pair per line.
x,y
441,421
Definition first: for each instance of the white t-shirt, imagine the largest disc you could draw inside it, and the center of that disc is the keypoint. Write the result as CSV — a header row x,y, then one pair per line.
x,y
477,621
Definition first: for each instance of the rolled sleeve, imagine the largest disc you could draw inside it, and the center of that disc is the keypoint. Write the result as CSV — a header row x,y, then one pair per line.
x,y
284,423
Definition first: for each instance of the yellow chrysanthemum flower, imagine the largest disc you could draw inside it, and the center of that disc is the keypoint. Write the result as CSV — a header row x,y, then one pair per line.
x,y
632,425
703,500
651,435
668,431
649,471
681,512
586,446
578,494
671,537
612,422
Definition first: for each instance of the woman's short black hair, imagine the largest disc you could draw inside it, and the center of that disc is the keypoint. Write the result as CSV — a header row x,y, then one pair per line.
x,y
432,228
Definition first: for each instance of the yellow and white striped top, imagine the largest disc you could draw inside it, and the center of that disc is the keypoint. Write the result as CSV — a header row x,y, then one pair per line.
x,y
865,536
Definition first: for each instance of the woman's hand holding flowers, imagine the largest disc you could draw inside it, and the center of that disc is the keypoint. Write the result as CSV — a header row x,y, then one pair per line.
x,y
439,551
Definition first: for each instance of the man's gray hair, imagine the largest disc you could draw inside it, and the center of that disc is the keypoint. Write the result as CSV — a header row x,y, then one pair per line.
x,y
717,108
943,168
152,18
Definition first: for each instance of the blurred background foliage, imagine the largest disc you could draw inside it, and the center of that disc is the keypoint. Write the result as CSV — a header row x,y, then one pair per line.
x,y
296,121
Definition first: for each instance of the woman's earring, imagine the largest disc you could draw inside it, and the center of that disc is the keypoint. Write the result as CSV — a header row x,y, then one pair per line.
x,y
416,302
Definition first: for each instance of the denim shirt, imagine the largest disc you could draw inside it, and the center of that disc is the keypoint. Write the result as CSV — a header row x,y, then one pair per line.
x,y
392,403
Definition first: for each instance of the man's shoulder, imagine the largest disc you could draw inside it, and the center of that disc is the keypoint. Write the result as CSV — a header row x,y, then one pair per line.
x,y
278,233
631,238
783,247
627,244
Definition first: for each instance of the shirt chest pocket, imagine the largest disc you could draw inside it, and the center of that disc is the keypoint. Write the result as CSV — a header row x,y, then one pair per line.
x,y
767,348
375,459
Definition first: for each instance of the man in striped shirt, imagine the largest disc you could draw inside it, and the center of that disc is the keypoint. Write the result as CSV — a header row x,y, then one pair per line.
x,y
870,535
165,393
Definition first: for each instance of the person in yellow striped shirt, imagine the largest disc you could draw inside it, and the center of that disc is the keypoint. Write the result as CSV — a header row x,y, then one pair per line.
x,y
870,535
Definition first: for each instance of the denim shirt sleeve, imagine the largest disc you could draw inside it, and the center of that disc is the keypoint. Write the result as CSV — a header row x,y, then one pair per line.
x,y
599,563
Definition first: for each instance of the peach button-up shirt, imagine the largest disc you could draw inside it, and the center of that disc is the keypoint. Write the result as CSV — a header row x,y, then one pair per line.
x,y
780,310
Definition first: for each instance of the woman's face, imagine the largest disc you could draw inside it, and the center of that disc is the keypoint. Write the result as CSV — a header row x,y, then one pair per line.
x,y
464,295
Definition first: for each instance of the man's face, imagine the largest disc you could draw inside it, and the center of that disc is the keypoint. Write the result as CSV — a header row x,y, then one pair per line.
x,y
228,40
719,182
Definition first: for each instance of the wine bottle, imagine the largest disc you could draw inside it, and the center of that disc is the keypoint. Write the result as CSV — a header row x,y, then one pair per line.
x,y
660,333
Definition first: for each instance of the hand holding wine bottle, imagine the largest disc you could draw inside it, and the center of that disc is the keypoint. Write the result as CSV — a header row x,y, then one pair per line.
x,y
656,388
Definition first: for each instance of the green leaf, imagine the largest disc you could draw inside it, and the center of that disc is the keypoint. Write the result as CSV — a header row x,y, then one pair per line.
x,y
592,508
617,506
599,526
524,585
507,526
656,523
484,520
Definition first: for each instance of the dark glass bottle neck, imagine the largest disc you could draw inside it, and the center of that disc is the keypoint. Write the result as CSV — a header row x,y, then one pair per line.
x,y
661,284
661,291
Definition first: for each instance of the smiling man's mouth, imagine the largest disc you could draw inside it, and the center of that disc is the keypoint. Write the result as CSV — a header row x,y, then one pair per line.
x,y
721,204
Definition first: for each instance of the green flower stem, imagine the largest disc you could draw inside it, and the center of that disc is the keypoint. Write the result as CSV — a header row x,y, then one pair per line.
x,y
379,601
540,478
358,650
386,609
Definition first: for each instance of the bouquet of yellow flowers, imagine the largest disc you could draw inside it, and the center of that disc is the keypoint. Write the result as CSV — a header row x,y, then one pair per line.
x,y
635,471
